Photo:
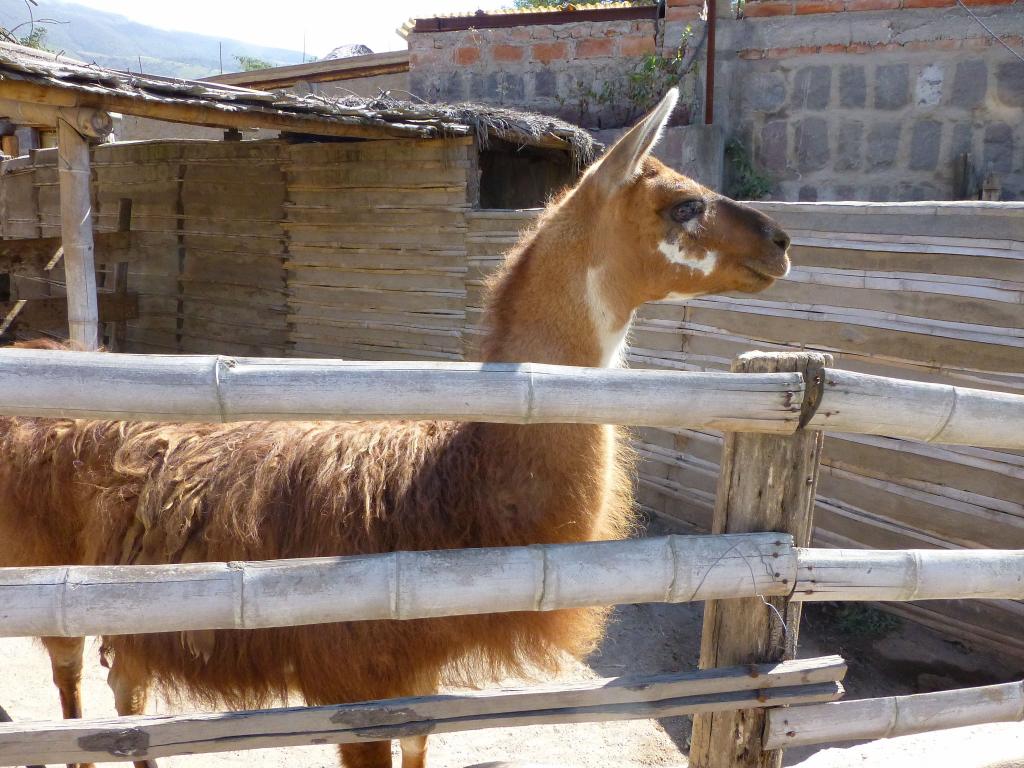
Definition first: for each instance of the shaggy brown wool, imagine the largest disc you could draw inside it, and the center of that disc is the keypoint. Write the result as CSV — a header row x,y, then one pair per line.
x,y
105,492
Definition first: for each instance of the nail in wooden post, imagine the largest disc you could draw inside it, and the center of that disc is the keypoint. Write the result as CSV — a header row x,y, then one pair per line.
x,y
766,483
76,233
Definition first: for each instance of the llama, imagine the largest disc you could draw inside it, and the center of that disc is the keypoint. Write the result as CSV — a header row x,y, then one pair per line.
x,y
101,492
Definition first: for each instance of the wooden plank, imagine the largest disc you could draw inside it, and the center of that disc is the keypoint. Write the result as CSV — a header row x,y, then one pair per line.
x,y
948,519
1002,308
880,260
401,149
109,247
855,320
368,198
766,483
377,279
137,738
364,299
931,350
960,219
987,624
52,312
368,238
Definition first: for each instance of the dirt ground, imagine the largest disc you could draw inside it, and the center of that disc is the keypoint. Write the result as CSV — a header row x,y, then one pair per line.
x,y
886,657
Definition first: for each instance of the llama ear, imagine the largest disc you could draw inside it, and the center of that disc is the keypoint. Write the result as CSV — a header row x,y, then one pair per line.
x,y
621,164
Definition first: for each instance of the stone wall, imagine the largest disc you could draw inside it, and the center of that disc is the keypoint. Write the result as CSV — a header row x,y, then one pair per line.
x,y
876,105
831,99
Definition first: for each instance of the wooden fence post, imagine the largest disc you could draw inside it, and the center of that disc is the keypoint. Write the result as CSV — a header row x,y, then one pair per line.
x,y
766,483
76,232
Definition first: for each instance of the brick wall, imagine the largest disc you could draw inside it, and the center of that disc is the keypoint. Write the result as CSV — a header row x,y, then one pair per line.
x,y
560,69
875,105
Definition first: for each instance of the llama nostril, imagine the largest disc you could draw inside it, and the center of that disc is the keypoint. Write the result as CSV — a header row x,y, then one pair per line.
x,y
781,239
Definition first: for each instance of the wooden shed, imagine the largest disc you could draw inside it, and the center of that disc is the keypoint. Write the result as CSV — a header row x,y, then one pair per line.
x,y
343,235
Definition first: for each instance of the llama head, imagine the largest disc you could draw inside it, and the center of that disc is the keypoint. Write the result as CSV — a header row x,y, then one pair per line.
x,y
663,235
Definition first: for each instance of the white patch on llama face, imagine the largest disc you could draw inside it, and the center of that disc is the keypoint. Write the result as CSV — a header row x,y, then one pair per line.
x,y
676,254
610,337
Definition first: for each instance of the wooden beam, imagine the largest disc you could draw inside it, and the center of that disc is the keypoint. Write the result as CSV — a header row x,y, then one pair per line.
x,y
895,715
766,483
624,698
37,252
94,123
76,235
217,115
325,71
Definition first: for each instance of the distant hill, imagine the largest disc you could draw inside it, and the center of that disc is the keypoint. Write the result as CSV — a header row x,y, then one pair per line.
x,y
115,41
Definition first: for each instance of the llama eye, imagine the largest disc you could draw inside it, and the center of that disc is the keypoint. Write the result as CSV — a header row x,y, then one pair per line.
x,y
684,212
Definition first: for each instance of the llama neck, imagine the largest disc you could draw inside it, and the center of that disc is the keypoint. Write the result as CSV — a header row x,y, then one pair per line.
x,y
557,302
552,304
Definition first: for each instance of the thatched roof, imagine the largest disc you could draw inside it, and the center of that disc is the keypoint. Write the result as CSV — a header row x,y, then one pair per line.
x,y
484,120
45,78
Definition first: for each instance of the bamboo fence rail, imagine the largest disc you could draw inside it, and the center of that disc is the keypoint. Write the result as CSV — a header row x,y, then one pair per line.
x,y
891,716
214,388
74,601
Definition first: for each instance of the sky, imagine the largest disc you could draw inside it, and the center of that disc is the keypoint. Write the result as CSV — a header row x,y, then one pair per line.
x,y
325,24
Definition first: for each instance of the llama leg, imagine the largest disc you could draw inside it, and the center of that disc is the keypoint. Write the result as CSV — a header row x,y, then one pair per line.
x,y
66,663
414,752
370,754
131,692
